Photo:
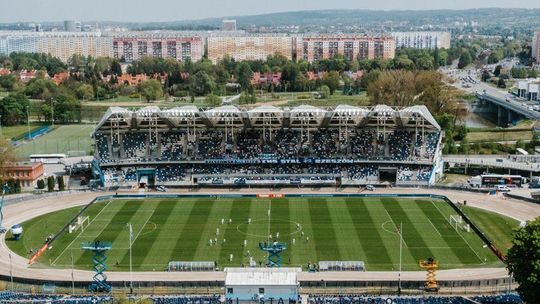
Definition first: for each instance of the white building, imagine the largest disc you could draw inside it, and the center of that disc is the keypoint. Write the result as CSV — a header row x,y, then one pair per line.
x,y
529,90
247,284
228,25
422,40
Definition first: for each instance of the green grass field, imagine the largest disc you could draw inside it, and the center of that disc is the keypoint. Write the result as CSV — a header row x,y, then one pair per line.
x,y
62,139
338,229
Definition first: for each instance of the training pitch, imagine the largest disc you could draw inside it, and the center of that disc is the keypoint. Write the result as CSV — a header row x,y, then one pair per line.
x,y
323,229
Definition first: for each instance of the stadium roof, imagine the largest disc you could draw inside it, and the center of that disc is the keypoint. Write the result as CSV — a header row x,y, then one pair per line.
x,y
268,115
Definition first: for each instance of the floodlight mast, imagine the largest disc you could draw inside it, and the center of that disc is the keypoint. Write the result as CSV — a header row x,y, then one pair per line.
x,y
5,189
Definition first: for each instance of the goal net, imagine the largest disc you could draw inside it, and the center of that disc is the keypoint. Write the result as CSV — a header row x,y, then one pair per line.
x,y
79,223
457,222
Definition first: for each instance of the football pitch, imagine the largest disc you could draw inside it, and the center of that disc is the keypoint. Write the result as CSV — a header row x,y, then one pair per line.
x,y
315,229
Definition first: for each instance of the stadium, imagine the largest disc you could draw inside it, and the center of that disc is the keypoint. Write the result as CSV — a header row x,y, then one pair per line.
x,y
253,204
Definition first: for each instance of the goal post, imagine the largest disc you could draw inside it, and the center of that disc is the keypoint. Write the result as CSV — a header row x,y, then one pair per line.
x,y
456,221
79,223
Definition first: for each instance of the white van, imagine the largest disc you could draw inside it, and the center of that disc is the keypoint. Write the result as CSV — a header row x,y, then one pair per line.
x,y
503,188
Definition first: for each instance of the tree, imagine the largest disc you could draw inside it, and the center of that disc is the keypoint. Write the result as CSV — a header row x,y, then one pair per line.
x,y
85,92
212,100
395,88
501,83
331,79
202,84
13,109
244,75
497,70
151,89
116,68
61,184
50,183
464,60
523,261
6,154
41,184
324,91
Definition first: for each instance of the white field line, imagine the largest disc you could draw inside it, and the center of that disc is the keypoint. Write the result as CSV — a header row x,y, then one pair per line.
x,y
437,230
457,230
142,227
395,226
81,232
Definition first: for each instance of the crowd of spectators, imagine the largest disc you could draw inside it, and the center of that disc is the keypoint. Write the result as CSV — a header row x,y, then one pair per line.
x,y
357,299
410,173
135,145
172,145
398,145
325,143
361,172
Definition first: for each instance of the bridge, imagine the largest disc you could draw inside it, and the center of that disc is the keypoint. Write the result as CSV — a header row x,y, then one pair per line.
x,y
508,110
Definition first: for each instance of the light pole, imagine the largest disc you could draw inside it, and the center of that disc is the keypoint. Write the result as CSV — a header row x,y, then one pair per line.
x,y
52,112
1,134
130,264
72,276
11,271
400,255
28,120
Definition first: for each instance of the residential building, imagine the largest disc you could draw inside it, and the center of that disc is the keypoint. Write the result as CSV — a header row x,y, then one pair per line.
x,y
59,44
529,90
536,47
228,25
249,47
129,47
27,172
422,40
313,48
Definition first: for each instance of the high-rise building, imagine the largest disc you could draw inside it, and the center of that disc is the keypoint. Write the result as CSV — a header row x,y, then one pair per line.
x,y
228,25
313,48
536,47
129,47
72,26
59,44
422,40
248,47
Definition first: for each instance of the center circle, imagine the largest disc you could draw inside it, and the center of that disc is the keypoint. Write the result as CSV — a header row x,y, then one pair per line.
x,y
243,227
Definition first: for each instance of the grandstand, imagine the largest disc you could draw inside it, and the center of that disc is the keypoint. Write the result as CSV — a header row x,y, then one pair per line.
x,y
267,145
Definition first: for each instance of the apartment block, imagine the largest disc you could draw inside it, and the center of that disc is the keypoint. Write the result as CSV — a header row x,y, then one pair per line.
x,y
422,40
536,47
313,48
248,47
133,46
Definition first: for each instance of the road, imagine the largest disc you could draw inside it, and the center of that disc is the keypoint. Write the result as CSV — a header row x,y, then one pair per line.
x,y
17,213
475,86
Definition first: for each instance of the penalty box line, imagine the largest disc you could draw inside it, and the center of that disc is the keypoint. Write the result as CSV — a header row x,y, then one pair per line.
x,y
81,232
457,231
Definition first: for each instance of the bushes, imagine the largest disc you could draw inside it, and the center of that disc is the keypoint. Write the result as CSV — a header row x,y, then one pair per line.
x,y
13,186
41,184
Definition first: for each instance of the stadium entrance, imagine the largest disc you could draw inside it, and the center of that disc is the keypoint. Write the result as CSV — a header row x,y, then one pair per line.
x,y
387,175
146,177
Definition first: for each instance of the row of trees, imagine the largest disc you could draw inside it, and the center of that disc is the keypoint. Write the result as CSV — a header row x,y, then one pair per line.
x,y
51,182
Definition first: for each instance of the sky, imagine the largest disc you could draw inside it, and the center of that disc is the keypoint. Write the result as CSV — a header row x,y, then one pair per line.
x,y
173,10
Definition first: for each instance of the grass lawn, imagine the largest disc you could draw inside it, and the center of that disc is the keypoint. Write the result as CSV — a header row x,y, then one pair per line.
x,y
494,226
62,139
19,130
339,229
499,136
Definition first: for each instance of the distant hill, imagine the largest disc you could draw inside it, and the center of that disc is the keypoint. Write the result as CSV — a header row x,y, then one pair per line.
x,y
398,19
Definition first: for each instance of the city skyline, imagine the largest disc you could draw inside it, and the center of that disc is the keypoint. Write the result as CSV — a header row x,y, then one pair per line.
x,y
137,10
